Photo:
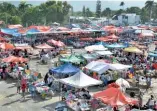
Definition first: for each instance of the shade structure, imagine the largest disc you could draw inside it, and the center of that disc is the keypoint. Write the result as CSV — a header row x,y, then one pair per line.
x,y
152,54
112,36
103,53
14,59
80,80
7,46
60,44
44,46
118,66
52,41
101,43
116,46
23,47
114,97
15,26
133,50
8,31
72,58
95,47
89,56
122,83
65,69
97,66
31,31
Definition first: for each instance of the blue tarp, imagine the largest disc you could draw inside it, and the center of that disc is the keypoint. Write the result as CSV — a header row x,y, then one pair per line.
x,y
116,46
32,31
101,43
16,34
9,31
66,68
152,54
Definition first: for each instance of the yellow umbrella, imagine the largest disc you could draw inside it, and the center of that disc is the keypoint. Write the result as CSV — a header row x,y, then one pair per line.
x,y
133,49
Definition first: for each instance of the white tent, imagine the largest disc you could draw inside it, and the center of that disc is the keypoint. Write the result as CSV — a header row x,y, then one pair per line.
x,y
123,84
80,80
104,53
118,66
95,48
97,66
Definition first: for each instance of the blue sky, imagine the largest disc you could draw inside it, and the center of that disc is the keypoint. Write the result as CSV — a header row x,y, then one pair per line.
x,y
78,4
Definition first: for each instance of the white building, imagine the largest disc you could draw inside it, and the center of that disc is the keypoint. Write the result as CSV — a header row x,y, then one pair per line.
x,y
126,19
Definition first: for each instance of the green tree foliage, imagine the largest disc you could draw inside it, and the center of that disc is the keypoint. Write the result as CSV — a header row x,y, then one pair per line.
x,y
84,11
98,9
89,13
107,12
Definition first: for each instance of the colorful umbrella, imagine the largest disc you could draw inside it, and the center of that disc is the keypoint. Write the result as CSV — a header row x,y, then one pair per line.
x,y
7,46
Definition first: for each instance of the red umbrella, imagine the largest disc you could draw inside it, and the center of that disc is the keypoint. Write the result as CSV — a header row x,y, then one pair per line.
x,y
7,46
14,59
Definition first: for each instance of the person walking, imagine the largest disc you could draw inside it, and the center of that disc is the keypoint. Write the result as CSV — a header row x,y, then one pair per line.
x,y
18,86
23,87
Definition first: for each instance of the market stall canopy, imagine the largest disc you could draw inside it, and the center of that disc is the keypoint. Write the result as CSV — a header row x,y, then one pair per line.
x,y
23,47
133,50
80,80
152,54
14,59
65,69
86,39
95,48
97,66
72,58
52,41
44,46
8,31
112,36
89,56
116,46
7,46
40,28
118,66
101,43
31,31
122,83
62,29
114,97
103,53
15,26
60,44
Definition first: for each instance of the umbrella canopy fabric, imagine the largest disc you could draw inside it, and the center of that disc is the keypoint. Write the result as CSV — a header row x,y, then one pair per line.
x,y
31,31
114,97
101,43
8,31
2,39
80,80
72,59
95,47
152,54
60,44
104,53
44,46
118,66
122,83
7,46
112,36
14,59
116,46
52,41
97,66
133,50
65,69
89,56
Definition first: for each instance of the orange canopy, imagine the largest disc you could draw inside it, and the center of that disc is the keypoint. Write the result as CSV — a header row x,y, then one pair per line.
x,y
40,28
14,59
44,46
114,85
114,97
15,26
7,46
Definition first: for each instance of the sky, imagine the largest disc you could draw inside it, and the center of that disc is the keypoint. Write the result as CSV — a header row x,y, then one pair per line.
x,y
78,4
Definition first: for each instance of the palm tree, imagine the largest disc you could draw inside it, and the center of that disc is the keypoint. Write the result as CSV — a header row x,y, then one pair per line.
x,y
149,6
23,6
